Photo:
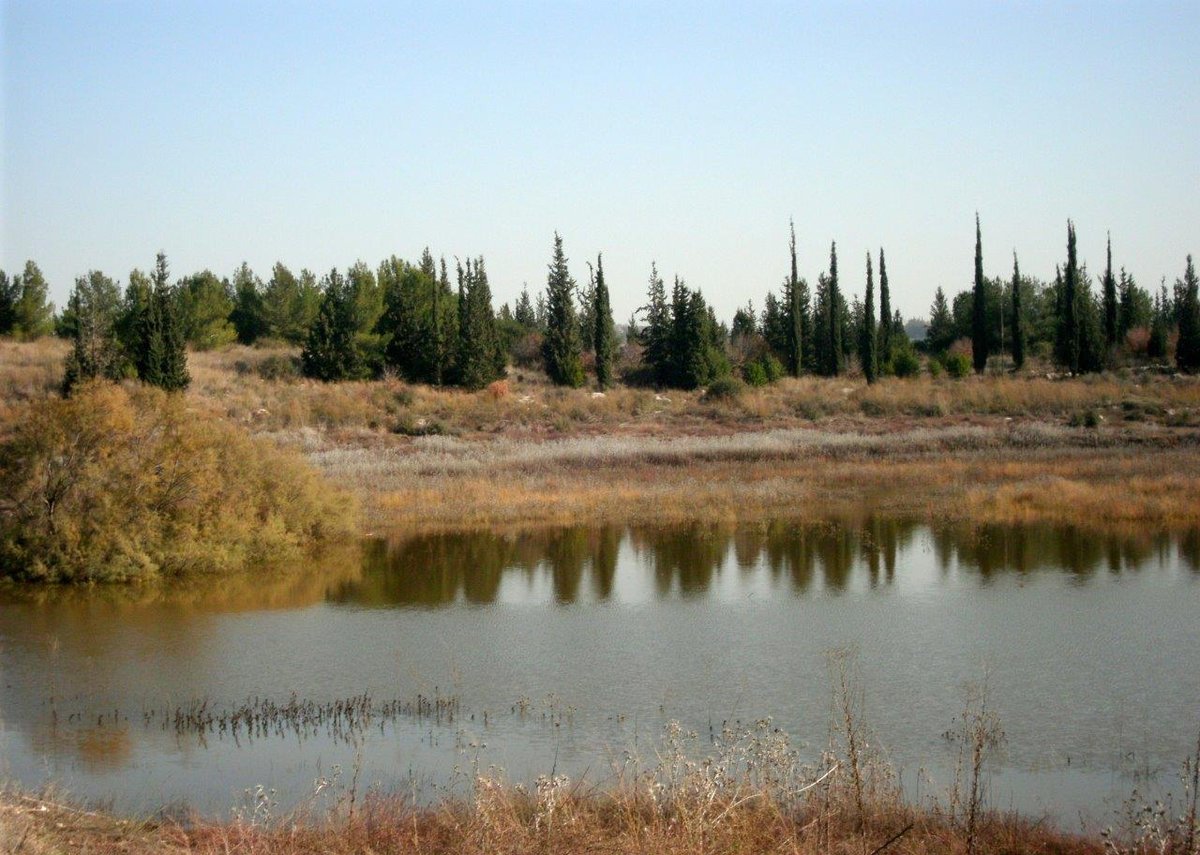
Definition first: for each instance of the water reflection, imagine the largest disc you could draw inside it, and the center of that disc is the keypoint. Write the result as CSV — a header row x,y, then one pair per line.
x,y
578,564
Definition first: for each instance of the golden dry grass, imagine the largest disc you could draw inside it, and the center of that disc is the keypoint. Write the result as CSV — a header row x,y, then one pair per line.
x,y
991,449
588,822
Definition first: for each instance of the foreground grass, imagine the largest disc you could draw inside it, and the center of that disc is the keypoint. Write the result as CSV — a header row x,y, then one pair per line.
x,y
511,821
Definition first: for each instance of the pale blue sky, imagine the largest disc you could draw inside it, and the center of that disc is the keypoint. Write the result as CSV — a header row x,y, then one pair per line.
x,y
323,133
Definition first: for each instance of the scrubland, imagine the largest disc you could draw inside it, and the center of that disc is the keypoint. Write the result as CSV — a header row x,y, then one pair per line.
x,y
1106,451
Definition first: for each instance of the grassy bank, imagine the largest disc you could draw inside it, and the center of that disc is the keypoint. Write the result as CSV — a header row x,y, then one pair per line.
x,y
1103,451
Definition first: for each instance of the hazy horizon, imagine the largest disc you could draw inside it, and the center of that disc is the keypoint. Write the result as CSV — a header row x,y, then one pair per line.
x,y
688,135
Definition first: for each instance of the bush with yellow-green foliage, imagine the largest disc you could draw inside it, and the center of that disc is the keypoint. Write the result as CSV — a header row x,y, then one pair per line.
x,y
129,484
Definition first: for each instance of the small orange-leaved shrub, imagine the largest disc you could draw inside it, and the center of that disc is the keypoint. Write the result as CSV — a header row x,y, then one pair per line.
x,y
128,484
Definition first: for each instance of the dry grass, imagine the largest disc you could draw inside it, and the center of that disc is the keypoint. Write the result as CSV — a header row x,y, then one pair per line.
x,y
993,449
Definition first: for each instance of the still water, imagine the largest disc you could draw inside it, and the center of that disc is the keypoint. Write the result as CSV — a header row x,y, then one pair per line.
x,y
562,650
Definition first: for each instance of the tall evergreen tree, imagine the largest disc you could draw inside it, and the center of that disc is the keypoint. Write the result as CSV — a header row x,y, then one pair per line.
x,y
1070,304
1018,328
330,352
867,333
445,313
655,336
205,305
33,313
587,321
979,325
95,304
795,314
1187,351
941,333
480,357
248,317
835,319
149,348
604,337
8,302
524,314
1160,325
173,373
562,347
1111,327
885,313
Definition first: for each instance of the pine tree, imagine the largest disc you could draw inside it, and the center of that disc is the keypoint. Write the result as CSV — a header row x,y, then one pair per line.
x,y
775,325
655,336
795,315
1187,351
1018,327
979,327
248,316
561,347
8,302
605,335
1160,325
885,314
867,333
940,334
95,305
330,353
1111,327
524,313
33,313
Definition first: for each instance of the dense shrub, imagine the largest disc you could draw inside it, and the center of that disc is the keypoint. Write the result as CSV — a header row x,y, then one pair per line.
x,y
754,374
125,485
724,389
905,363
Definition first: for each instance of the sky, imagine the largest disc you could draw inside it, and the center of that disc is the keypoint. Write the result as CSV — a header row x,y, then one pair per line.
x,y
322,133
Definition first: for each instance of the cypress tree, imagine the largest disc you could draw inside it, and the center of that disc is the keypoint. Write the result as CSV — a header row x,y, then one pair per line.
x,y
329,351
561,348
1068,304
656,344
1018,327
480,358
867,334
1187,351
443,330
979,330
834,366
173,376
795,315
605,335
1111,331
885,314
159,351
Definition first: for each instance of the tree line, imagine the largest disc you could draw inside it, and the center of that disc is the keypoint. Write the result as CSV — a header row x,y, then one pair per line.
x,y
1066,321
414,321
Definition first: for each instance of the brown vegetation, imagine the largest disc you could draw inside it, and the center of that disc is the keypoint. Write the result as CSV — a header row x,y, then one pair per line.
x,y
127,484
1101,450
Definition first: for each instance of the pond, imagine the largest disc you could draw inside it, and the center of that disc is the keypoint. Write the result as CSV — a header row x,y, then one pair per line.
x,y
416,661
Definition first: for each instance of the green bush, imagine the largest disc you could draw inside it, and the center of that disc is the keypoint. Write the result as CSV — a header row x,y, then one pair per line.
x,y
724,389
130,485
773,367
957,365
905,363
754,374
